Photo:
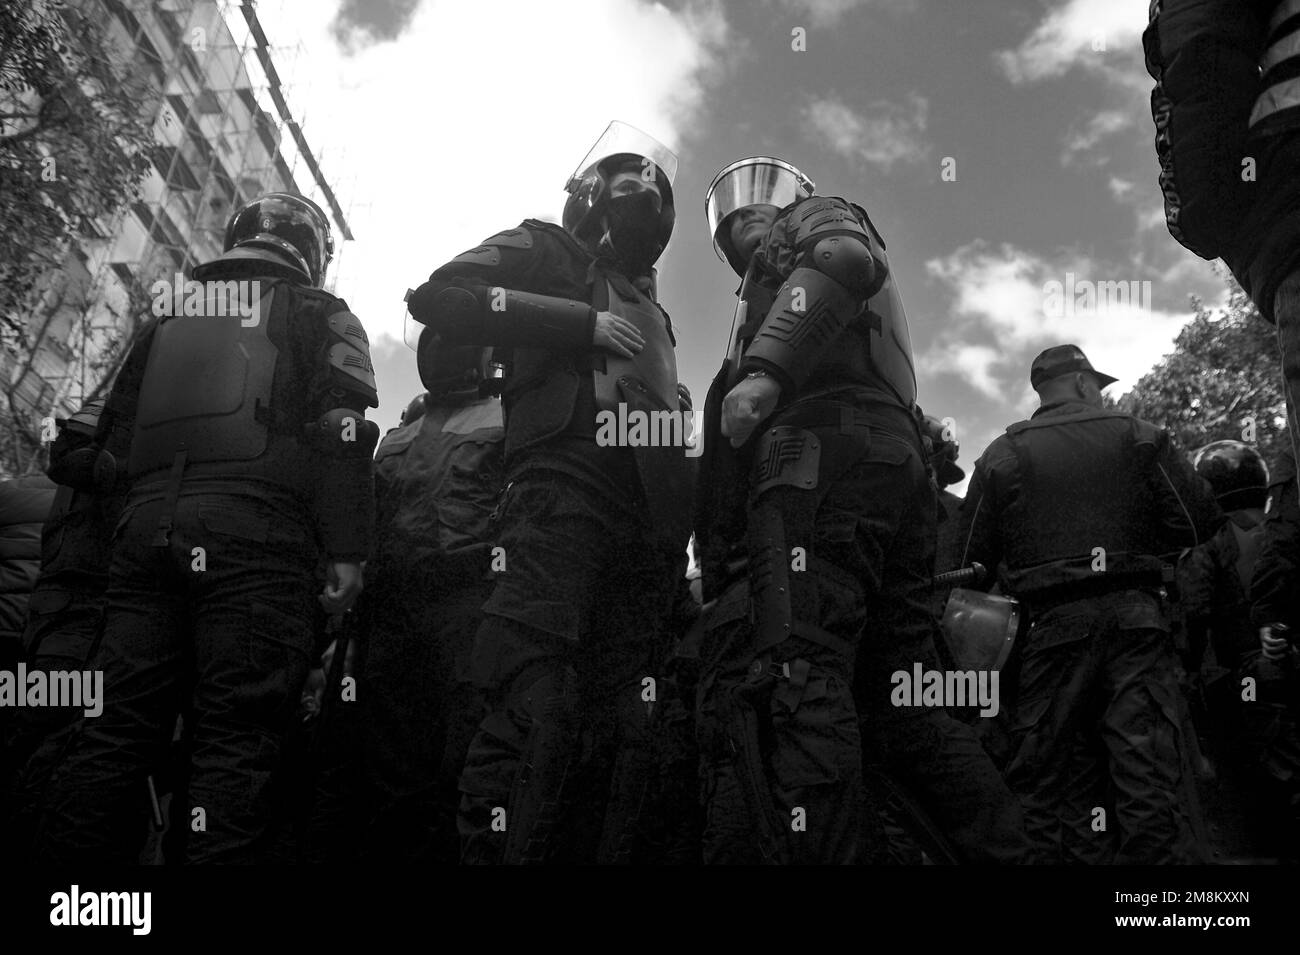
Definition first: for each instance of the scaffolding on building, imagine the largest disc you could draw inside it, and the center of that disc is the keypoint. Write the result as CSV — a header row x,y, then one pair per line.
x,y
225,134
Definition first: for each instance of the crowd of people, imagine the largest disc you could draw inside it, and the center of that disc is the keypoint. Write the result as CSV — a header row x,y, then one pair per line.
x,y
500,635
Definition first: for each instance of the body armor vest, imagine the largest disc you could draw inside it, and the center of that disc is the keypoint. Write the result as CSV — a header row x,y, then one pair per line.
x,y
206,391
1082,486
654,368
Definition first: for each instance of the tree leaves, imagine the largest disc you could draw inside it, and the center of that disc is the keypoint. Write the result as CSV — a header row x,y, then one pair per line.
x,y
1223,374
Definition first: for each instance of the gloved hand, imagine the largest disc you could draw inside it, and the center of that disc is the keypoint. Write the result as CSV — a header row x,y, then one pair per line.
x,y
615,333
343,587
748,405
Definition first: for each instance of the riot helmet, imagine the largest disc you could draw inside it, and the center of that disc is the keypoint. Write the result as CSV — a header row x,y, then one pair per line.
x,y
414,411
281,232
758,180
451,373
1236,472
631,228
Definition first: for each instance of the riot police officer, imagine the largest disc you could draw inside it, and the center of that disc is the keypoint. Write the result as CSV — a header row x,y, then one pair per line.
x,y
1214,577
1213,583
1227,119
1273,721
1080,502
593,522
249,465
66,608
437,481
816,522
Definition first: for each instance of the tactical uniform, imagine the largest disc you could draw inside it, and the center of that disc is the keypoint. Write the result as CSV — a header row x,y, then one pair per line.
x,y
249,462
591,541
1077,502
817,545
1272,722
66,608
25,504
437,481
1213,582
1276,579
1227,111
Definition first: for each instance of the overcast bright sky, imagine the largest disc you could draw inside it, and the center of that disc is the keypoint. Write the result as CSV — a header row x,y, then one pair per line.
x,y
445,121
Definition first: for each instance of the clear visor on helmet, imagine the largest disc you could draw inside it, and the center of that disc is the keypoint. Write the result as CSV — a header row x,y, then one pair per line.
x,y
619,138
411,330
759,180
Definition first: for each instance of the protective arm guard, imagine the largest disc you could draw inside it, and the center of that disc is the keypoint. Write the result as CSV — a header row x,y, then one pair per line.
x,y
1204,57
492,315
345,496
837,267
810,311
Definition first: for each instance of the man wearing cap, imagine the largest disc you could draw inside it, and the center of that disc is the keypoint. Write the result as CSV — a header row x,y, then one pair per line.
x,y
1076,505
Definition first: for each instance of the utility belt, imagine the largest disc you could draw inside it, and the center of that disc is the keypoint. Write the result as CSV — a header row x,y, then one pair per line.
x,y
862,410
1041,599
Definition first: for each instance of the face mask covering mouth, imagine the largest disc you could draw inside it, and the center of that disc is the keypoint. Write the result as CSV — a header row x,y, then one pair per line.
x,y
632,231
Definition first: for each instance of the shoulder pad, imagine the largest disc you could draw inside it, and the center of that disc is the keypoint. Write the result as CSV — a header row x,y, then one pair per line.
x,y
349,357
348,326
489,251
824,216
517,238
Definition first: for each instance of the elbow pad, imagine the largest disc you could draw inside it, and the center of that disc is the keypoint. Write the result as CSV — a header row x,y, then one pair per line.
x,y
85,469
848,260
343,433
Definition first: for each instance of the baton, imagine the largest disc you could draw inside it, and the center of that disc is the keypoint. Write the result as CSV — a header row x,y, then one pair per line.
x,y
973,574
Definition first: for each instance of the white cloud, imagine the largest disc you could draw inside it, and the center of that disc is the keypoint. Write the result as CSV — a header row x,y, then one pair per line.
x,y
829,12
1121,189
1102,36
1100,125
881,133
971,363
1005,313
459,127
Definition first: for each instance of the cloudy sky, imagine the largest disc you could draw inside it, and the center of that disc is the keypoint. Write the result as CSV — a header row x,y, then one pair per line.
x,y
442,122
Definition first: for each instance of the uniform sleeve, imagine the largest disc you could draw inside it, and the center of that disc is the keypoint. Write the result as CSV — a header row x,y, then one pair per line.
x,y
1197,577
979,537
523,259
344,386
1275,586
1204,57
1186,511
